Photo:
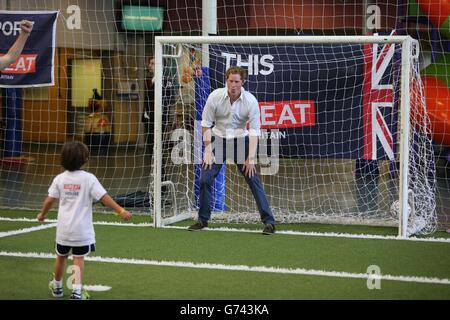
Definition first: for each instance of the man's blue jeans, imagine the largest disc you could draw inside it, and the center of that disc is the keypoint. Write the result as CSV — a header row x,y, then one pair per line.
x,y
208,176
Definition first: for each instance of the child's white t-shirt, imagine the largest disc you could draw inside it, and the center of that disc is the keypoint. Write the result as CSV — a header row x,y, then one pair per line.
x,y
75,190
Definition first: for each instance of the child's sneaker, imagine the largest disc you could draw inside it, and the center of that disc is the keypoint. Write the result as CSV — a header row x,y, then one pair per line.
x,y
84,295
56,292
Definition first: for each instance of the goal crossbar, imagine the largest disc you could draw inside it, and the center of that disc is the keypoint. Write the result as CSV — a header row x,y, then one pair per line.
x,y
280,39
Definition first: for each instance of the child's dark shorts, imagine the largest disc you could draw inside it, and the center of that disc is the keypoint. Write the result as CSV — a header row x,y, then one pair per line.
x,y
82,251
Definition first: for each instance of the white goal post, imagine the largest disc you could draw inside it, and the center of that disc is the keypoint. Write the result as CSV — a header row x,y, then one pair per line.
x,y
407,204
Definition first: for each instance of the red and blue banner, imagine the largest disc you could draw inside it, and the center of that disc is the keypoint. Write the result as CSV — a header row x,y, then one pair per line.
x,y
325,100
35,66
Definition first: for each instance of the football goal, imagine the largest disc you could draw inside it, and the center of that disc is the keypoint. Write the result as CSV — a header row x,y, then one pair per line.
x,y
345,136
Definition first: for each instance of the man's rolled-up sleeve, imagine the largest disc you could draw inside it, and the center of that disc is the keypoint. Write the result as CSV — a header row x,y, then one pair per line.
x,y
254,120
208,114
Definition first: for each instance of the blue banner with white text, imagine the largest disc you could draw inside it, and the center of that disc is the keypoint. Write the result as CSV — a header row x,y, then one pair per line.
x,y
35,65
319,100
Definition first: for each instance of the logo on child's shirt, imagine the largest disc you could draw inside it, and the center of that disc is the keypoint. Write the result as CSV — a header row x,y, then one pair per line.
x,y
71,190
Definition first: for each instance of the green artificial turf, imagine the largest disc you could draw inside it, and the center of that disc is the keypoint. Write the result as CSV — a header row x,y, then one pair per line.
x,y
27,278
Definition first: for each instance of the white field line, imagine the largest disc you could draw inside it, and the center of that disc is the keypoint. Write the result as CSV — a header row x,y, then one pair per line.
x,y
105,223
286,232
26,230
96,287
323,234
194,265
120,224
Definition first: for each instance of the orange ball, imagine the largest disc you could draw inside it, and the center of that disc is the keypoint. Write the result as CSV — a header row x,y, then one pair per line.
x,y
436,10
437,96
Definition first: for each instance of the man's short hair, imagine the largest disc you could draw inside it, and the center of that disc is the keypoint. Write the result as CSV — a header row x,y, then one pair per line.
x,y
236,70
73,155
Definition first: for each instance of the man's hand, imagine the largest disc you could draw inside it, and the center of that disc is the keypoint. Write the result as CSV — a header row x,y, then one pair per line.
x,y
126,215
41,216
26,26
250,167
208,160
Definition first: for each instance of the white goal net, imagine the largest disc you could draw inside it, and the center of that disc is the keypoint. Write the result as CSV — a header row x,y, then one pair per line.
x,y
332,109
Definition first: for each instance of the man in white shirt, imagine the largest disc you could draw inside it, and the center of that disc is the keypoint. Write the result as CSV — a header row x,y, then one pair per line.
x,y
225,117
16,49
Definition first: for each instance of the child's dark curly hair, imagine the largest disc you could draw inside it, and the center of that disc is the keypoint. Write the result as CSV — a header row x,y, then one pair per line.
x,y
74,155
